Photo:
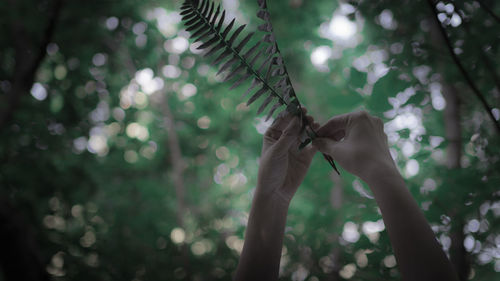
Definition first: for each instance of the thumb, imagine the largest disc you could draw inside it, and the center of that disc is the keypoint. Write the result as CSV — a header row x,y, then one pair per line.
x,y
324,145
290,134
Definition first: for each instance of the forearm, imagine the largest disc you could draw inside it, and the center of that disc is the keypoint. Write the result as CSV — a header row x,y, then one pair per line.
x,y
419,255
261,253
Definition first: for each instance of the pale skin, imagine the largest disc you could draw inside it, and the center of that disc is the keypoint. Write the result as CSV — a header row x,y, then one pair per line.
x,y
358,143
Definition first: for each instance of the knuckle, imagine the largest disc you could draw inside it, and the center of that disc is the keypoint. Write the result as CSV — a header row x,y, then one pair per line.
x,y
363,114
378,121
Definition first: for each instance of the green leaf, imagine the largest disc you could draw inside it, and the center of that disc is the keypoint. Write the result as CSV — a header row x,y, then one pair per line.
x,y
385,87
417,98
357,79
348,100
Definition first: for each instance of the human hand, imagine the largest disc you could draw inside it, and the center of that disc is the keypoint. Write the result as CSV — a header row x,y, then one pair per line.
x,y
282,165
358,143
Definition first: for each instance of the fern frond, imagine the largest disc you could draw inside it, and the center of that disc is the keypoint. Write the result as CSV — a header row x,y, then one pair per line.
x,y
230,56
263,61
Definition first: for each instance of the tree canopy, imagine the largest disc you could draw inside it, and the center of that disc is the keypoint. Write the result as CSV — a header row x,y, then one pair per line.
x,y
124,157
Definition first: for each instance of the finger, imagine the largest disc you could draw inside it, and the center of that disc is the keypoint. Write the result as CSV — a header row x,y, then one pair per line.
x,y
304,110
378,122
323,144
293,128
335,124
310,119
310,150
329,146
338,136
339,150
272,135
290,135
282,121
275,130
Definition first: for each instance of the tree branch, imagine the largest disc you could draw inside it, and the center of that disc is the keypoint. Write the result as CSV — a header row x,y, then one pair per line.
x,y
491,70
178,168
176,159
23,78
488,10
336,202
114,46
47,37
484,56
458,63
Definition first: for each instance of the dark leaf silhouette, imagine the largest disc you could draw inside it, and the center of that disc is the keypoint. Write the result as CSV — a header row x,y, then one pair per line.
x,y
270,77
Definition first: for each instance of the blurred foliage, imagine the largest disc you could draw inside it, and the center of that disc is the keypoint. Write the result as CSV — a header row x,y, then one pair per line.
x,y
88,161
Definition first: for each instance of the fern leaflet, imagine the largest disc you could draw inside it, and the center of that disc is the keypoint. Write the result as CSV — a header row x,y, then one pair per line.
x,y
262,62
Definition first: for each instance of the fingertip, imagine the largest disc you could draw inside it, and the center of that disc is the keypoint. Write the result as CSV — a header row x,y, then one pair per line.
x,y
311,150
293,128
318,143
335,123
339,135
321,131
281,121
295,122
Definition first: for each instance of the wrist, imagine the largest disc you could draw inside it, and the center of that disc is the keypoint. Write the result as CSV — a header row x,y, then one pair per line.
x,y
380,172
273,196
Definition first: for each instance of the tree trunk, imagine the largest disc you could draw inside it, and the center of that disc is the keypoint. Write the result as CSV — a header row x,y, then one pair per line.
x,y
453,134
178,167
453,130
28,60
19,254
458,254
176,160
336,198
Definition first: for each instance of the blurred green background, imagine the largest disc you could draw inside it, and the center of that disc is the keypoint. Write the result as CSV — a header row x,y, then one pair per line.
x,y
122,157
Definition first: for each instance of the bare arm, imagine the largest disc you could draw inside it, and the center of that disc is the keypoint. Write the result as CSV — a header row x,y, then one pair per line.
x,y
358,143
282,169
261,254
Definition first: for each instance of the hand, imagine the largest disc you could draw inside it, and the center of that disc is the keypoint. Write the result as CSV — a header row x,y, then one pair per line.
x,y
358,143
282,166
